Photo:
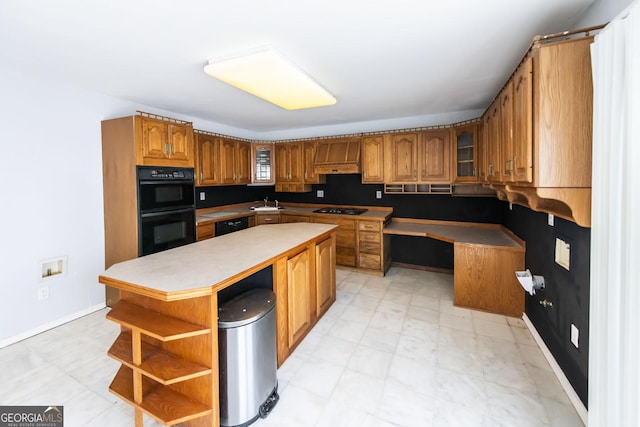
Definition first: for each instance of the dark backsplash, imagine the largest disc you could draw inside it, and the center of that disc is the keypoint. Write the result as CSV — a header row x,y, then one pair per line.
x,y
567,290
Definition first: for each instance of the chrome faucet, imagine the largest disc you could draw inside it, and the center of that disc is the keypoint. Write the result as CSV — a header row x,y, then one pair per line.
x,y
266,199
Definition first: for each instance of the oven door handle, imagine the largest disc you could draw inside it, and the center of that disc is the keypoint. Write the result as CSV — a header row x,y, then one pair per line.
x,y
167,211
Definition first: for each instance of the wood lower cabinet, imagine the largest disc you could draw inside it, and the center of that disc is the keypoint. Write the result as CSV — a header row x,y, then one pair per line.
x,y
267,218
374,248
299,297
345,239
286,218
325,275
205,231
305,287
484,278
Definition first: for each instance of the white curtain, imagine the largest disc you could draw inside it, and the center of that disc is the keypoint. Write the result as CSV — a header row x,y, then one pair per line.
x,y
614,350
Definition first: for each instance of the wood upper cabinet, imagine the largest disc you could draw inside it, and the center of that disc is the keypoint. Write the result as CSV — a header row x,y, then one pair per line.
x,y
290,168
299,296
310,177
522,122
164,143
420,157
372,158
506,131
562,114
263,163
207,159
465,153
435,156
404,157
492,142
235,162
325,275
289,162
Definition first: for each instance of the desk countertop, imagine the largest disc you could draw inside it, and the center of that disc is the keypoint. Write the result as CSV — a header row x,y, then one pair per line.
x,y
455,232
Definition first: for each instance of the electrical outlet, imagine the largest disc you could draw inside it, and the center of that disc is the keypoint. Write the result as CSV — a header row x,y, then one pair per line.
x,y
575,334
378,194
550,220
203,195
510,206
320,193
43,293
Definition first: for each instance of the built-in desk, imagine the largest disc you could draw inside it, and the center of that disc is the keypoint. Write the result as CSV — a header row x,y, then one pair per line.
x,y
168,346
485,258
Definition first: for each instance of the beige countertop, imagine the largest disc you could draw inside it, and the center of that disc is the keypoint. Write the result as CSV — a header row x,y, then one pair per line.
x,y
194,269
458,232
235,211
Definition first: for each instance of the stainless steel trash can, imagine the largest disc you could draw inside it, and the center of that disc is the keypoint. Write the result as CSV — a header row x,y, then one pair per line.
x,y
247,357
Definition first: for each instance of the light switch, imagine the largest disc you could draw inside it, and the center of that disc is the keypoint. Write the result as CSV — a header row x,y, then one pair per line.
x,y
550,220
563,253
575,335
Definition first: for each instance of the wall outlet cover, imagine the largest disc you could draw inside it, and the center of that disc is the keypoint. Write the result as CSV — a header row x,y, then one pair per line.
x,y
550,220
563,253
378,194
203,195
320,193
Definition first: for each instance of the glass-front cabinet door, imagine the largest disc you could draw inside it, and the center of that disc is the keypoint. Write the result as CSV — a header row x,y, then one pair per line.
x,y
466,153
263,164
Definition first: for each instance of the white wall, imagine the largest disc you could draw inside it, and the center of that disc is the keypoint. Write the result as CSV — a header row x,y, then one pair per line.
x,y
51,199
601,12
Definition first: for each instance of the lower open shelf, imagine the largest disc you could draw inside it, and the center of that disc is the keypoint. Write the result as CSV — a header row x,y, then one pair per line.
x,y
158,401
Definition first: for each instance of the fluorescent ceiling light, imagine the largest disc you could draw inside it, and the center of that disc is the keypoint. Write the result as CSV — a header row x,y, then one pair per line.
x,y
268,75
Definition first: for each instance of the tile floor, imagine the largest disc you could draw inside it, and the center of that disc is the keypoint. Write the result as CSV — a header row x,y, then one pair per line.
x,y
392,351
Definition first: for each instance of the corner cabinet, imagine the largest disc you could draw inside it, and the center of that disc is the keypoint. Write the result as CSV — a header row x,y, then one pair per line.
x,y
262,161
544,130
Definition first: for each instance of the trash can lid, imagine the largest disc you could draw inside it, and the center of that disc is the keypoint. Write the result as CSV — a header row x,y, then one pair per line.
x,y
246,308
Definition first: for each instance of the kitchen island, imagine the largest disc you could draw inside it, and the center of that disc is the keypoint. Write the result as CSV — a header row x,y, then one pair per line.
x,y
168,346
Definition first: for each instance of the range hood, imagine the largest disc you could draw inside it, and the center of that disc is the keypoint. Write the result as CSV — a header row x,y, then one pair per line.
x,y
336,156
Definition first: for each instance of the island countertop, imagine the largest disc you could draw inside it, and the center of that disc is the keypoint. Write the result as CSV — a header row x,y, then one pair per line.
x,y
204,267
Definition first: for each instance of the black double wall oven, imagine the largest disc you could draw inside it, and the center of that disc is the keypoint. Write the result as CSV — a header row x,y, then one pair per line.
x,y
166,208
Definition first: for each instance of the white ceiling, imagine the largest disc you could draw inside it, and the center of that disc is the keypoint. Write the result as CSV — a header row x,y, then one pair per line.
x,y
390,64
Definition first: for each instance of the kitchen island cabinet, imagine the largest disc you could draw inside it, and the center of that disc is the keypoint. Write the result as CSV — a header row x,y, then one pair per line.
x,y
168,346
486,257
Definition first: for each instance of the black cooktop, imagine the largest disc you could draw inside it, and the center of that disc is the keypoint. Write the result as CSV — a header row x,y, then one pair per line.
x,y
341,211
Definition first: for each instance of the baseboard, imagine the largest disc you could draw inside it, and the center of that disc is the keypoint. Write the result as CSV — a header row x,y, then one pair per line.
x,y
566,385
422,267
50,325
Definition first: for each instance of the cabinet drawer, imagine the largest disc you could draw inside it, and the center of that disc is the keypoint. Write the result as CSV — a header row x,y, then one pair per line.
x,y
370,247
204,231
369,225
267,219
294,218
370,261
368,236
345,224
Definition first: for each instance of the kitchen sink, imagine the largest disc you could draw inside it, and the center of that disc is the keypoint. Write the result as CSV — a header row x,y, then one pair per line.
x,y
265,208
